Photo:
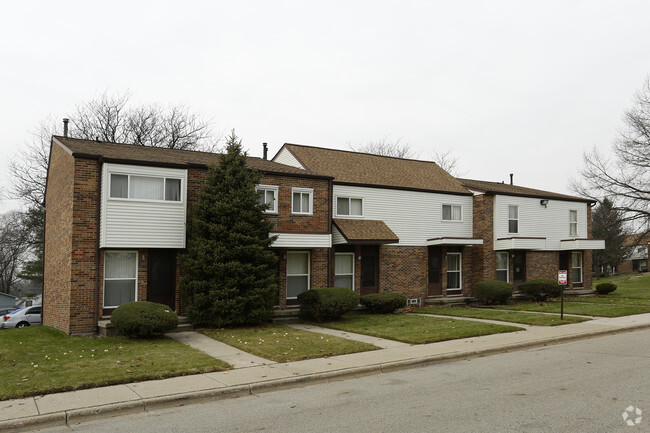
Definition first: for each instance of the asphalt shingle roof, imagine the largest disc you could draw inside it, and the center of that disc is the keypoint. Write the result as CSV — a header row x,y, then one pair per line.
x,y
369,231
373,170
507,189
130,153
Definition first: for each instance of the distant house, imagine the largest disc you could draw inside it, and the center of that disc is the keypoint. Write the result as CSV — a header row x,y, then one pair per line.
x,y
530,233
636,259
7,300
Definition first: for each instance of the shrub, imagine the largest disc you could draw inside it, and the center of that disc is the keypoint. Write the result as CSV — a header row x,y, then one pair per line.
x,y
382,303
492,291
327,303
605,288
541,290
143,319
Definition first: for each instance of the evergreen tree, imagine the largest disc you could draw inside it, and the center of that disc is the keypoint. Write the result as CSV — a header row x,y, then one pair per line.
x,y
607,224
229,273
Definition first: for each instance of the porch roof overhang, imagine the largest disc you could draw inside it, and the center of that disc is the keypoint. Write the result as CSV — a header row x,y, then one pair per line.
x,y
467,242
520,243
369,232
582,244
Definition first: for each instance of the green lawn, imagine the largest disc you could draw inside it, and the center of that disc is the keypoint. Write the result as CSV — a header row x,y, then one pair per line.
x,y
284,344
415,329
581,308
41,360
504,316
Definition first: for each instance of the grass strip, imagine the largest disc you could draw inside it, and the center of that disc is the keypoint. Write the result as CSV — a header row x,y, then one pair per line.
x,y
415,329
586,309
42,360
284,344
503,316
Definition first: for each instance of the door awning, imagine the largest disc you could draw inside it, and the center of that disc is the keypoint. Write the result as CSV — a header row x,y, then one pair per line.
x,y
466,242
370,232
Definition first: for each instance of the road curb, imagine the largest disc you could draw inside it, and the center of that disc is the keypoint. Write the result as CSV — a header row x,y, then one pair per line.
x,y
145,404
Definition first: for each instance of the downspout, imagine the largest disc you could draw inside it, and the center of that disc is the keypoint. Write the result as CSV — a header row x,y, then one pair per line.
x,y
330,256
100,161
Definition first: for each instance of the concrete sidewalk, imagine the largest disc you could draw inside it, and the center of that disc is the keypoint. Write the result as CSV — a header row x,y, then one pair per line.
x,y
253,374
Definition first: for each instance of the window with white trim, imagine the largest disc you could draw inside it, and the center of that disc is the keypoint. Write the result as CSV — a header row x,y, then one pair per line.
x,y
302,201
452,212
503,267
128,186
298,273
349,206
120,277
513,219
344,270
268,195
573,223
576,267
454,272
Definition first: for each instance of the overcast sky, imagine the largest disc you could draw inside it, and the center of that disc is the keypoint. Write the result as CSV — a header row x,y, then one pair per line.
x,y
507,86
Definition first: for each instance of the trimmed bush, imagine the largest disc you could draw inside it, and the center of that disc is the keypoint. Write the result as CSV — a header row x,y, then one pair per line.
x,y
605,288
541,290
143,319
383,303
492,291
327,303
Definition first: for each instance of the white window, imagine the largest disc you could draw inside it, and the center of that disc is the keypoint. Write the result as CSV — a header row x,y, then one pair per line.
x,y
268,195
454,272
344,270
302,201
513,219
348,206
576,267
452,212
503,267
573,223
298,270
120,277
145,187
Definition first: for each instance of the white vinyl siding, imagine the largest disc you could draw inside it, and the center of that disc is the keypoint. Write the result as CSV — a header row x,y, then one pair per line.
x,y
145,222
414,216
285,157
301,240
549,224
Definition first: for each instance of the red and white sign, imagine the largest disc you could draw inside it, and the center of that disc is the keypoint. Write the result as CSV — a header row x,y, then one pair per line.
x,y
561,278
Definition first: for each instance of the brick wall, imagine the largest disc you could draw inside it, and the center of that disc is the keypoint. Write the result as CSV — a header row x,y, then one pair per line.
x,y
484,259
58,240
542,264
403,270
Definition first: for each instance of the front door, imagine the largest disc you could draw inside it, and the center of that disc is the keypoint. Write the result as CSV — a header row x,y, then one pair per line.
x,y
162,277
435,272
519,267
369,270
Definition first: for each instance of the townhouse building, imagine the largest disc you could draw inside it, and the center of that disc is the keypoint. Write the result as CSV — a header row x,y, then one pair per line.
x,y
530,234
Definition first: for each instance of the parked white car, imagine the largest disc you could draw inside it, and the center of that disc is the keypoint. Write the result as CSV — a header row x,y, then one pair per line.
x,y
20,318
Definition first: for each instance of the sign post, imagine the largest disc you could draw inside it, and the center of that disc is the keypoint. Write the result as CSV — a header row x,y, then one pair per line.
x,y
561,280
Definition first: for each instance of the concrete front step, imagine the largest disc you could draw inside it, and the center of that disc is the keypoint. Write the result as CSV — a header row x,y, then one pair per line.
x,y
288,315
448,300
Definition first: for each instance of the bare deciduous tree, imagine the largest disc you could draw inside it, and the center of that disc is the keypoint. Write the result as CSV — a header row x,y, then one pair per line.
x,y
385,147
14,248
448,162
625,178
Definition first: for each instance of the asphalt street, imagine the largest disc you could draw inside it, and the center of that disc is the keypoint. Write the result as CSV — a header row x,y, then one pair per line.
x,y
584,386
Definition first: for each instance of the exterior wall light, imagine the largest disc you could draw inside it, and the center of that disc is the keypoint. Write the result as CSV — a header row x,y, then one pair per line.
x,y
543,202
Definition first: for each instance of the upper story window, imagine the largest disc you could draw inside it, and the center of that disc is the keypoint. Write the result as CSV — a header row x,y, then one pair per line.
x,y
452,212
348,206
302,200
268,195
573,223
145,187
513,219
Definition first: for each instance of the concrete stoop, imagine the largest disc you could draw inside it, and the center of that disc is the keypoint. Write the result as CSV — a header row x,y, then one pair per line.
x,y
285,316
448,300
